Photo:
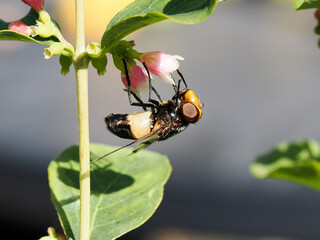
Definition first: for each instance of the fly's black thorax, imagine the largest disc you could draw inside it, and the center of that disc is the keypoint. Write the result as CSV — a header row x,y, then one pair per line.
x,y
169,114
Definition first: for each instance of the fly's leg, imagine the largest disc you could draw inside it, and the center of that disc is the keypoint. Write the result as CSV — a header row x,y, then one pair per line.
x,y
140,103
156,92
151,88
181,78
177,88
128,81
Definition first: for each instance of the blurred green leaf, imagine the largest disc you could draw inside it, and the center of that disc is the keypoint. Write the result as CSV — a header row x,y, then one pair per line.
x,y
142,13
126,189
293,161
306,4
29,19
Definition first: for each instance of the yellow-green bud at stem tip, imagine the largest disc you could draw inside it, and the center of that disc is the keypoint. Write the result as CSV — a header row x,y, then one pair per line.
x,y
44,16
55,49
94,49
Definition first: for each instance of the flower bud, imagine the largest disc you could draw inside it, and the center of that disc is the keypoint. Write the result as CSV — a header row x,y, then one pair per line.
x,y
44,16
94,49
44,30
20,27
139,80
161,64
35,4
54,49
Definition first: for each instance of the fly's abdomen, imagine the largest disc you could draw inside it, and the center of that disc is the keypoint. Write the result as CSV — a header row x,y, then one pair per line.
x,y
119,125
130,126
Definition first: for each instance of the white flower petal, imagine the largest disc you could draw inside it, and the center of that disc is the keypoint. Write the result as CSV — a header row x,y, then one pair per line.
x,y
166,77
178,57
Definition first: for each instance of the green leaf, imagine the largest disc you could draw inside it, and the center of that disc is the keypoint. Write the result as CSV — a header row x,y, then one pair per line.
x,y
29,19
126,189
306,4
293,161
142,13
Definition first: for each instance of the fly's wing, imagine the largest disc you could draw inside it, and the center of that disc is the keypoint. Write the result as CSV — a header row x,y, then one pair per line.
x,y
147,142
147,139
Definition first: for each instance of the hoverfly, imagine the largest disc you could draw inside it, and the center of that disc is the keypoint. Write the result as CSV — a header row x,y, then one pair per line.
x,y
160,120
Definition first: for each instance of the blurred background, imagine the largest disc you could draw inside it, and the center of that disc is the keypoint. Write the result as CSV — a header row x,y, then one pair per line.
x,y
255,66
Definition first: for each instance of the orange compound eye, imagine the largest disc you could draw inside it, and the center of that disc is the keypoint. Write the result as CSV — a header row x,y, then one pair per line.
x,y
190,112
191,97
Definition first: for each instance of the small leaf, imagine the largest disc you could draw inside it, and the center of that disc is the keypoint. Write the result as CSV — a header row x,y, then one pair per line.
x,y
100,64
29,19
65,63
126,189
293,161
142,13
306,4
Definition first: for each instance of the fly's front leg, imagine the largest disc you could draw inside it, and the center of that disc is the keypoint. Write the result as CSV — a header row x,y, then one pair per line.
x,y
181,78
177,88
151,88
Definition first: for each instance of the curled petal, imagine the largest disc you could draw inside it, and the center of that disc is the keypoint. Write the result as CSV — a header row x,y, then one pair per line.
x,y
167,77
178,57
161,64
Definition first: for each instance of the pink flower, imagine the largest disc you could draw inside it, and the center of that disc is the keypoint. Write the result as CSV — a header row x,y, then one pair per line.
x,y
20,27
161,64
35,4
139,80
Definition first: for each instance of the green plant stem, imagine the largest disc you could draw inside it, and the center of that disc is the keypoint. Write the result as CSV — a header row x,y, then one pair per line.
x,y
81,68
